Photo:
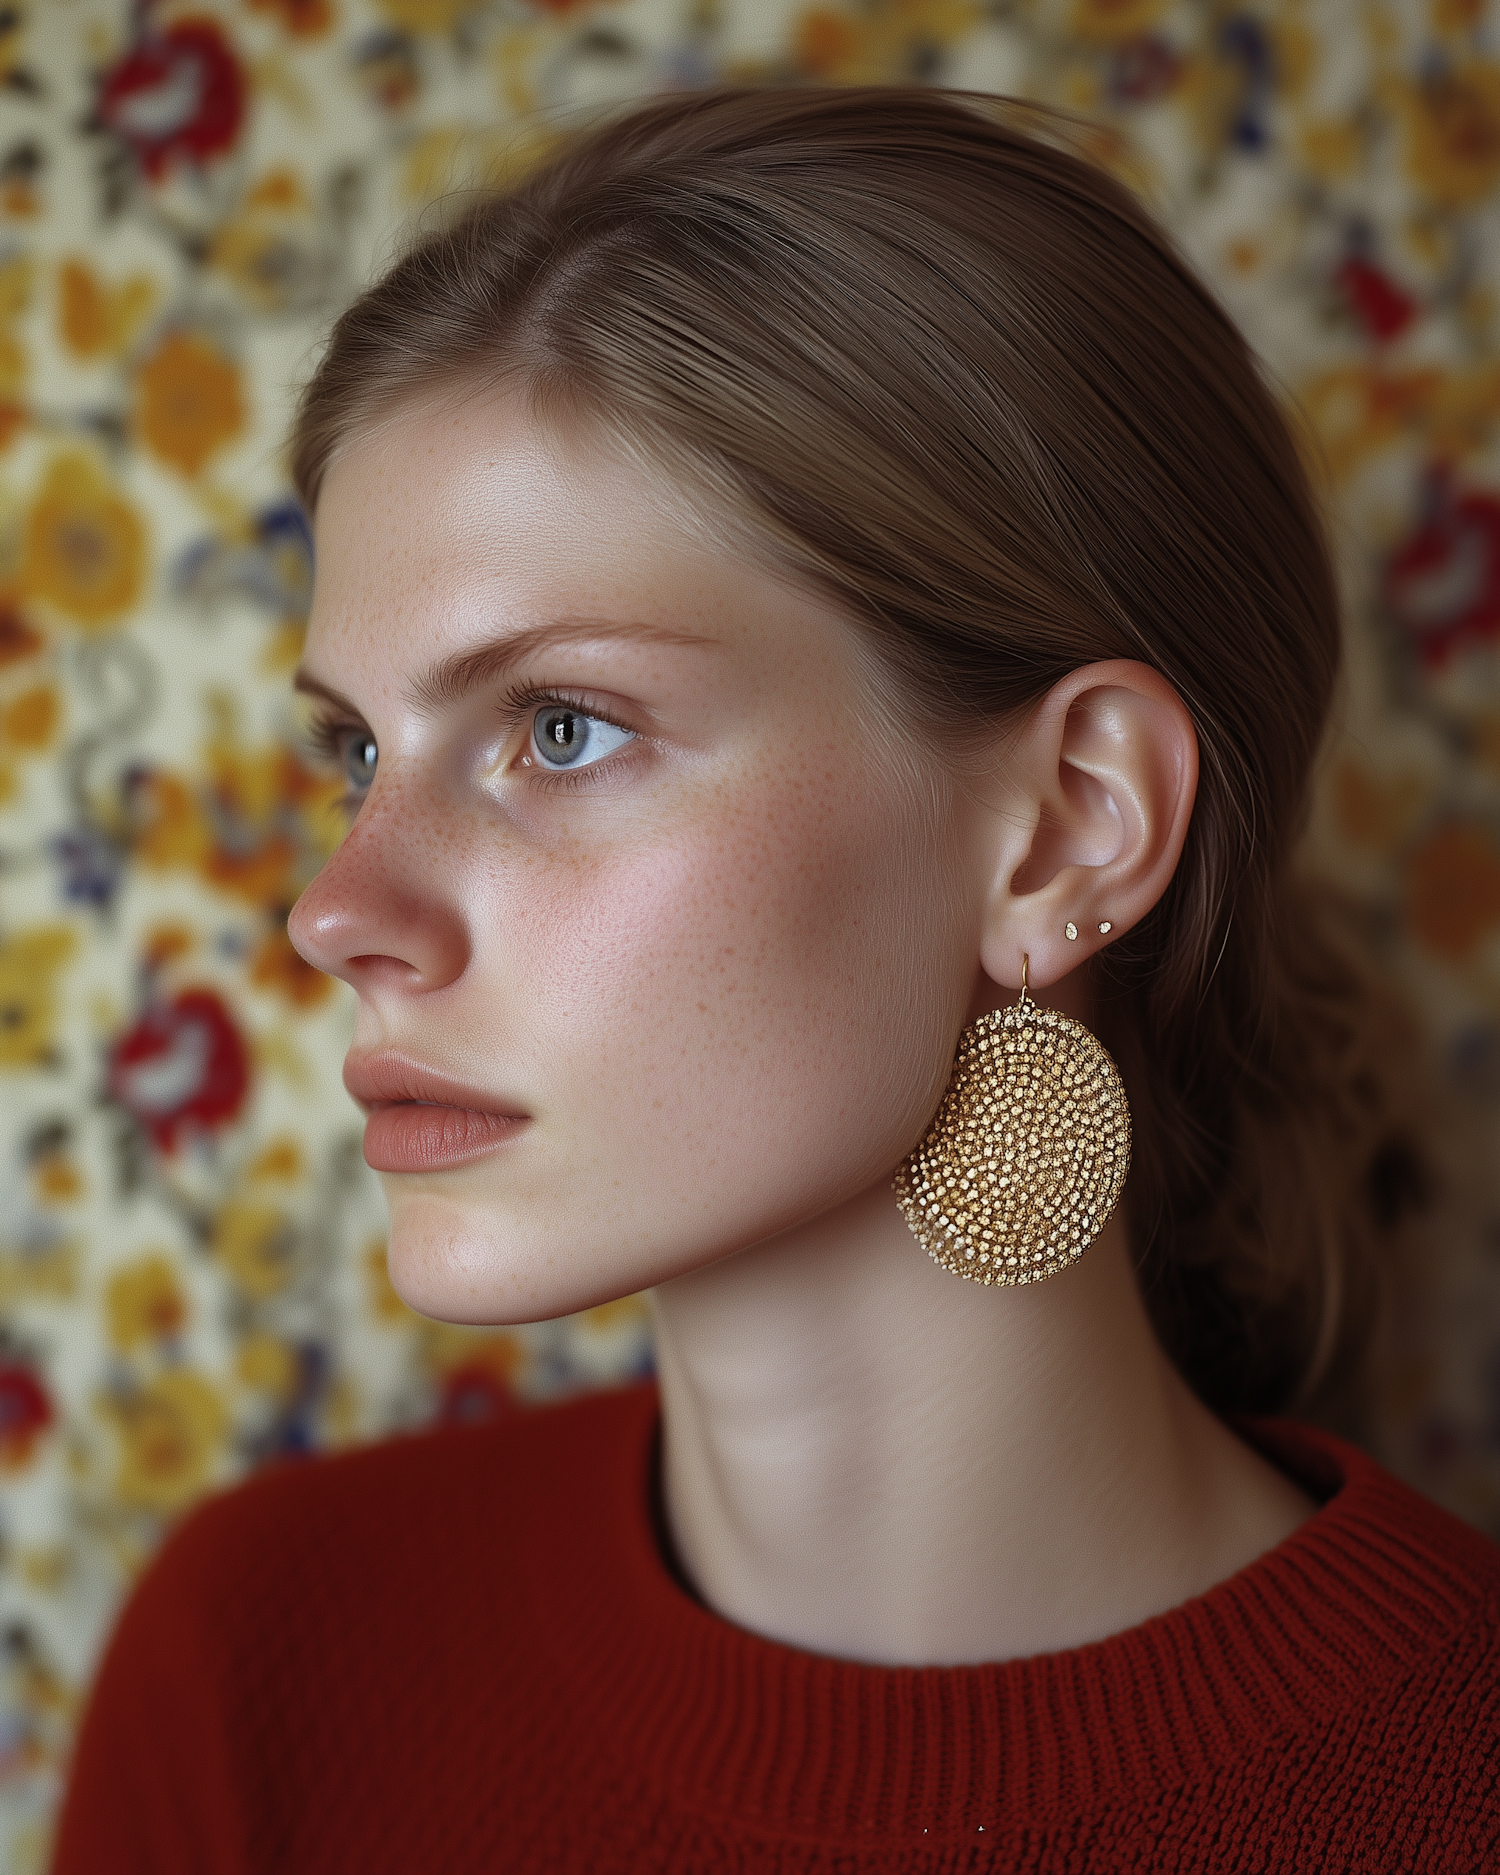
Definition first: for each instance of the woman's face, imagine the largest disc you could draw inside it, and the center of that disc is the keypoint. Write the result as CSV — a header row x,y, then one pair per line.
x,y
661,935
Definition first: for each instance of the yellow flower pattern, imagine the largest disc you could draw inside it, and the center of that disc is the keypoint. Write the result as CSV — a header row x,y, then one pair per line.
x,y
85,544
190,402
171,1437
1453,132
30,963
96,319
144,1303
192,1265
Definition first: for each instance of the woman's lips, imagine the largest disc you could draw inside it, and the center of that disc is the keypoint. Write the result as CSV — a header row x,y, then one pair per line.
x,y
412,1136
422,1121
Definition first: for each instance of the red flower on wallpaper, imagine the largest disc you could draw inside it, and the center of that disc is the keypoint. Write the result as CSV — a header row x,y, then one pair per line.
x,y
176,93
25,1413
1380,306
473,1394
1442,585
182,1069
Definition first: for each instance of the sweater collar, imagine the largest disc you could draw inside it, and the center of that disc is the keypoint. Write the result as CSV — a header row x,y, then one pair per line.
x,y
767,1733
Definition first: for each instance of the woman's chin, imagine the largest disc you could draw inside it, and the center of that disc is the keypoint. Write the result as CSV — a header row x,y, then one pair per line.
x,y
455,1262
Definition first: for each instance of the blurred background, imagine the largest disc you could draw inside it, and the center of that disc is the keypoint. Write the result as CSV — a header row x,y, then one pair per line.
x,y
192,1279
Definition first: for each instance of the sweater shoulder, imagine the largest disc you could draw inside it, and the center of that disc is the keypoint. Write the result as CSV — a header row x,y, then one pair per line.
x,y
1371,1513
259,1685
384,1520
1381,1575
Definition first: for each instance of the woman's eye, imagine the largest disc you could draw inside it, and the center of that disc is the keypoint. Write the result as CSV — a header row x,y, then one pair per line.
x,y
360,757
566,738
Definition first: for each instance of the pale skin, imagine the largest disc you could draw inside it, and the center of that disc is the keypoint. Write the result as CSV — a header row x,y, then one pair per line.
x,y
717,975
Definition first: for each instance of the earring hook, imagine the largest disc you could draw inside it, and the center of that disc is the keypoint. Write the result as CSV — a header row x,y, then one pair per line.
x,y
1025,966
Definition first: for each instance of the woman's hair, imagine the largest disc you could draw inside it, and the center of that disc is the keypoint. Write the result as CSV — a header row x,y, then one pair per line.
x,y
955,376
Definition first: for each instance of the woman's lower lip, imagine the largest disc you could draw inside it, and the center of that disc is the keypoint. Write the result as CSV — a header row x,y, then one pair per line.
x,y
412,1136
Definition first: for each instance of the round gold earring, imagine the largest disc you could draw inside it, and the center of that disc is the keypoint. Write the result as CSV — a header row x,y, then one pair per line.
x,y
1028,1153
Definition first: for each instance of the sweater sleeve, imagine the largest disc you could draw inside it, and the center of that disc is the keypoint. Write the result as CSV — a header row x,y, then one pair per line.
x,y
151,1791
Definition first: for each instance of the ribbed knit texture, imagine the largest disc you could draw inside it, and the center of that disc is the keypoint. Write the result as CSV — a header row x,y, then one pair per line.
x,y
461,1652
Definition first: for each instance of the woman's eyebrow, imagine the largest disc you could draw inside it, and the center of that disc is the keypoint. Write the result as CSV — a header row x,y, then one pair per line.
x,y
448,682
311,686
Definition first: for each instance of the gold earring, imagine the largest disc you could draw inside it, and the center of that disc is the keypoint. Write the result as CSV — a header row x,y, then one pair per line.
x,y
1028,1154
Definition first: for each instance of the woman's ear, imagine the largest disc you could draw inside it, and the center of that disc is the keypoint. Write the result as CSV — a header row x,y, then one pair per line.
x,y
1102,780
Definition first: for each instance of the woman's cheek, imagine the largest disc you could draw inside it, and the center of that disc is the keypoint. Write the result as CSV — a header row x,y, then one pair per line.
x,y
705,1012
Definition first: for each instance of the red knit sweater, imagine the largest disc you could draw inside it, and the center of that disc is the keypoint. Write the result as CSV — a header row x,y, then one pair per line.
x,y
461,1653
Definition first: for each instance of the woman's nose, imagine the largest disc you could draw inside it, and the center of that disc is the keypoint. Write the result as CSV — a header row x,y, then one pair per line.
x,y
379,915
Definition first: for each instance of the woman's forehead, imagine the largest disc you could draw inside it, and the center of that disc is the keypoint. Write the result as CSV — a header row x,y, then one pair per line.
x,y
447,539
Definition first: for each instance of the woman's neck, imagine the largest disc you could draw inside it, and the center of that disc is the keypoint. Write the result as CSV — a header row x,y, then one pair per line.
x,y
865,1457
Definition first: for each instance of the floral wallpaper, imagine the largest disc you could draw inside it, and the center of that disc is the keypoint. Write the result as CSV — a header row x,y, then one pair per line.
x,y
191,1264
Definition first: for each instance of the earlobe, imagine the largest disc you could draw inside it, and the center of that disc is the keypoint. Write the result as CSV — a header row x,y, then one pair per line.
x,y
1104,775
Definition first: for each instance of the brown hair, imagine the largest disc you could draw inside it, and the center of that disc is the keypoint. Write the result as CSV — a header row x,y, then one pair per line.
x,y
957,377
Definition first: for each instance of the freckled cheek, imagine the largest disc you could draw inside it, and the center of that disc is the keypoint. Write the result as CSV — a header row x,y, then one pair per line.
x,y
636,957
691,981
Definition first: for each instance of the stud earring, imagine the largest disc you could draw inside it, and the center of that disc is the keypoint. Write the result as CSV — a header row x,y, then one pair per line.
x,y
1105,927
1070,930
1028,1153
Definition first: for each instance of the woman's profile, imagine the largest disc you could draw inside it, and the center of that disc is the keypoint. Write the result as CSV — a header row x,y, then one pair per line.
x,y
827,634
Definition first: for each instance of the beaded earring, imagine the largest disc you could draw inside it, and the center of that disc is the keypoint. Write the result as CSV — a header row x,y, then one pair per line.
x,y
1027,1155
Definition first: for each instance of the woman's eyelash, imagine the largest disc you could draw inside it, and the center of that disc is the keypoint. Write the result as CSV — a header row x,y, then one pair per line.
x,y
326,740
324,735
523,698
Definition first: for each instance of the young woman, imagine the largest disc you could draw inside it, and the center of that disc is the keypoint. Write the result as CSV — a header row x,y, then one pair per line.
x,y
809,583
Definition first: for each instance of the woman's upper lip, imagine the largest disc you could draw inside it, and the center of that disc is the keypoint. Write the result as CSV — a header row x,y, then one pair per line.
x,y
381,1080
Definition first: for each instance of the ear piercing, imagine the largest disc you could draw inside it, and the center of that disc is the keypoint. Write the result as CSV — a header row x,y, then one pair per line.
x,y
1070,930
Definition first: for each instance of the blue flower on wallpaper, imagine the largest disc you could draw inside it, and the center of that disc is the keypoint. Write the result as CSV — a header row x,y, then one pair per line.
x,y
273,569
1245,43
91,866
